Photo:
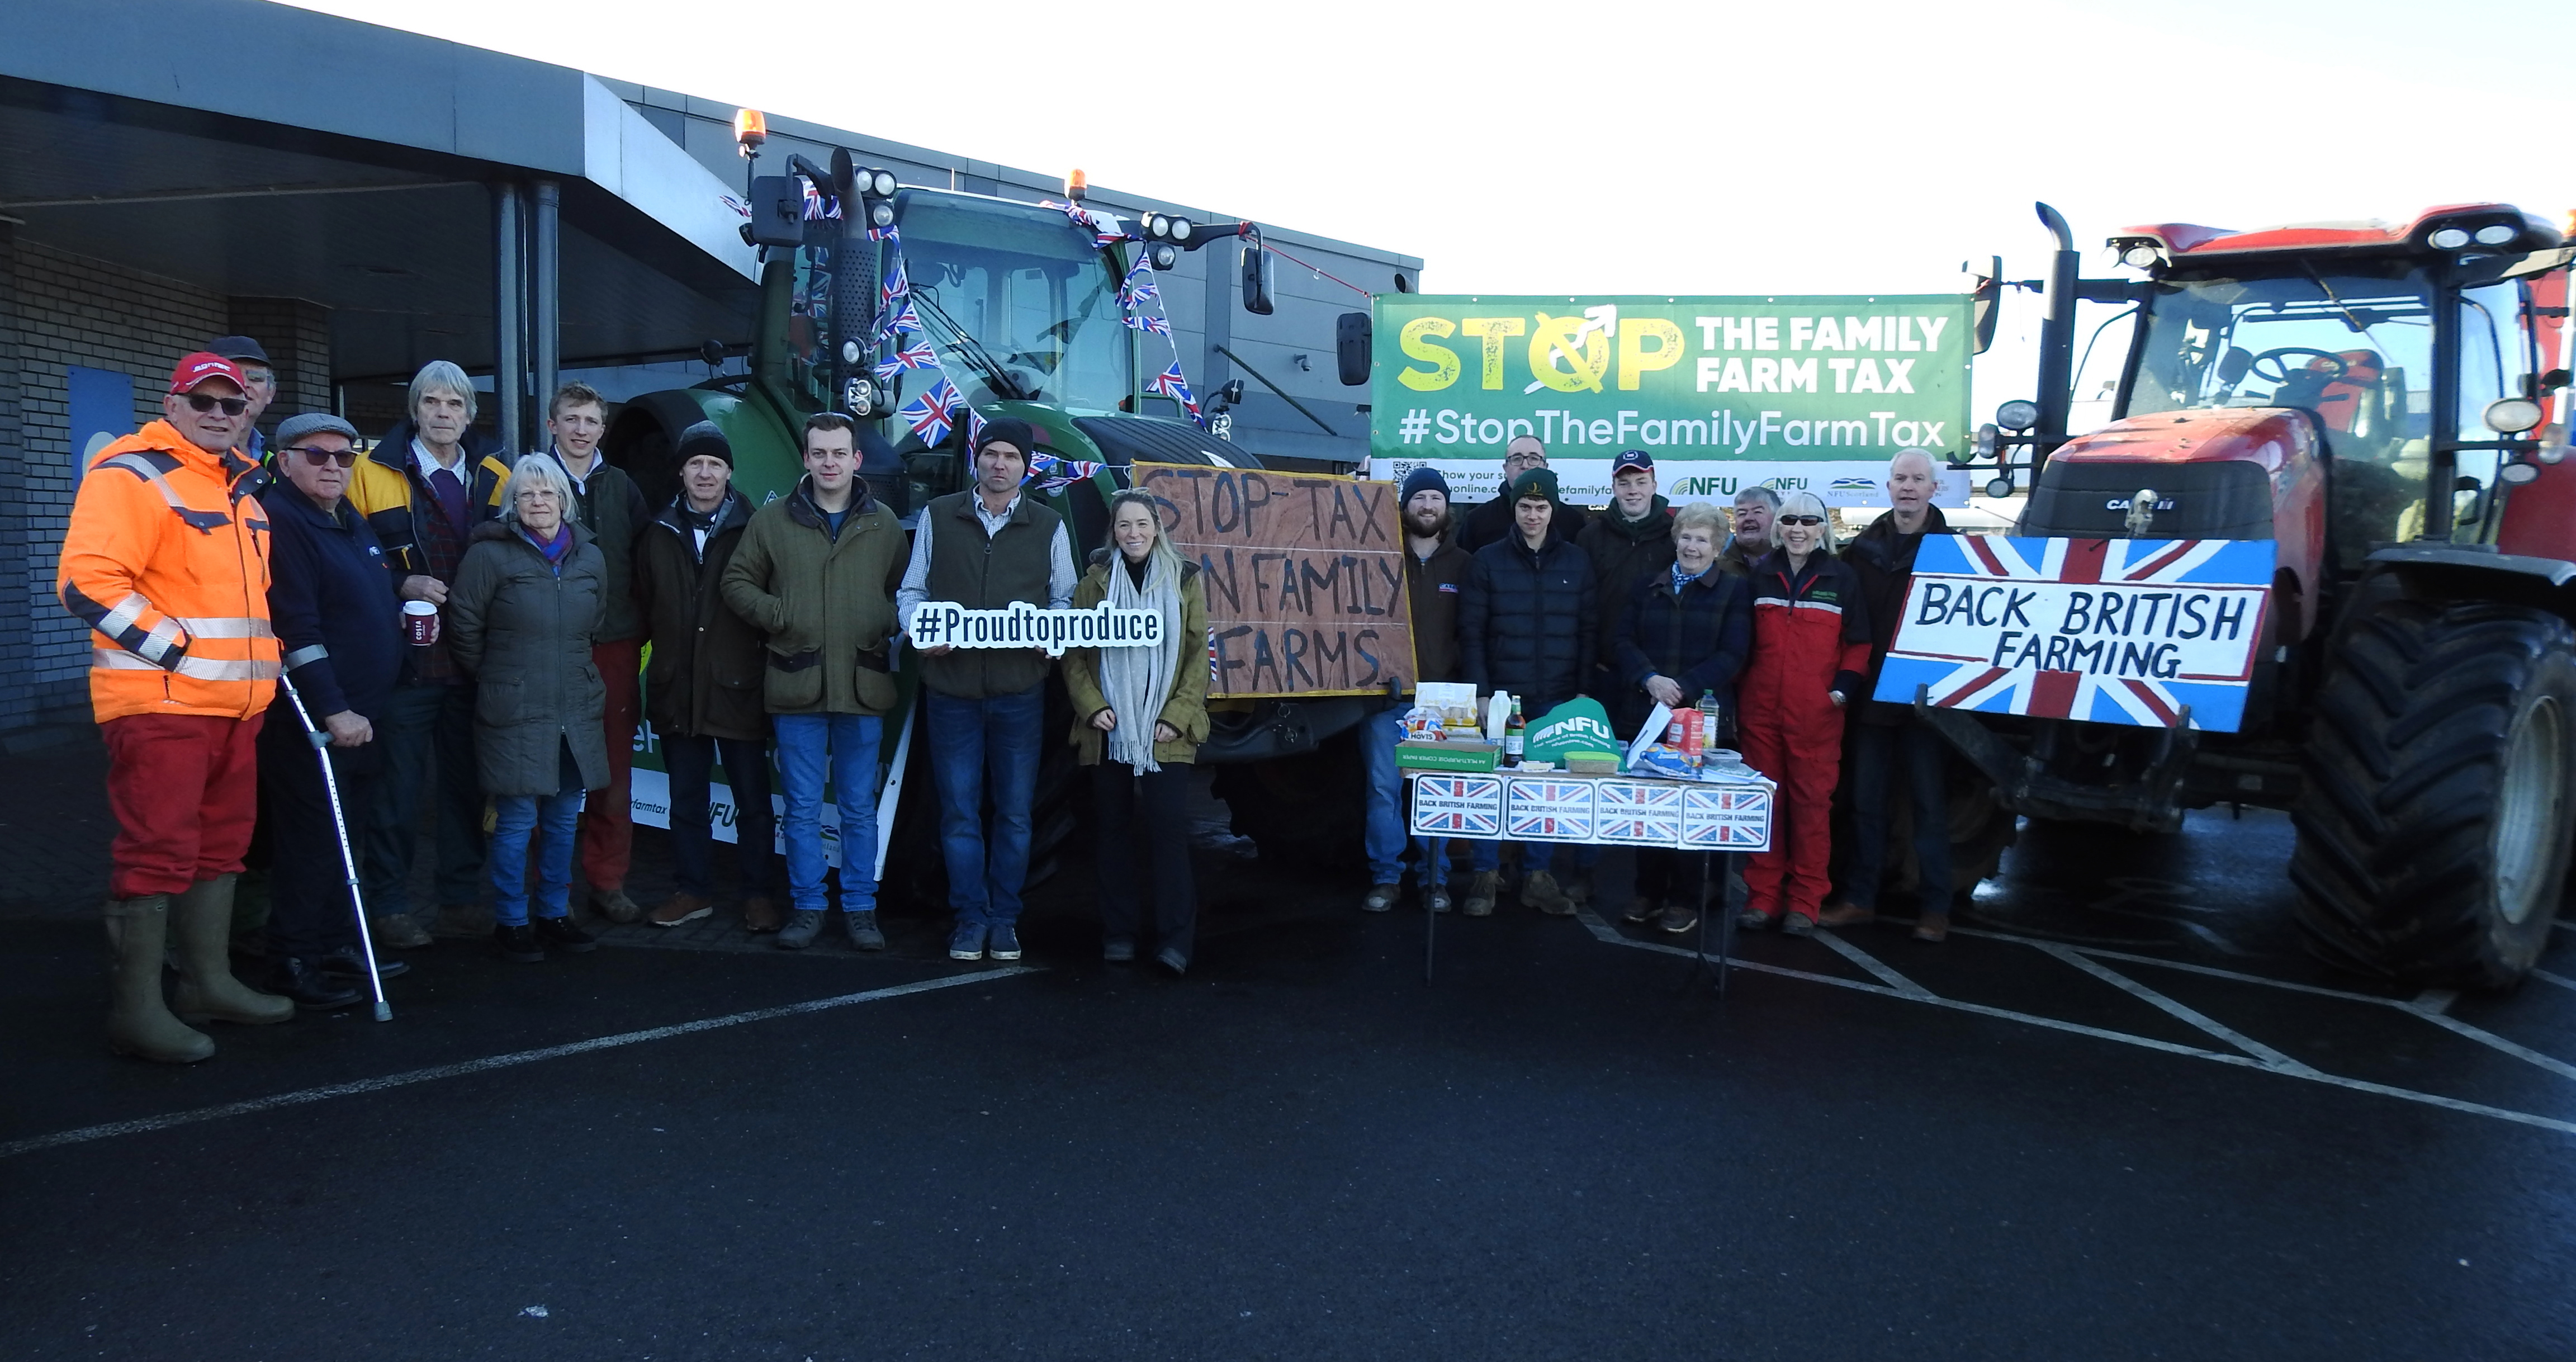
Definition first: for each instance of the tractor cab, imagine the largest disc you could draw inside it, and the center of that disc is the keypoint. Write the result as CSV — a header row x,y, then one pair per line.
x,y
2323,386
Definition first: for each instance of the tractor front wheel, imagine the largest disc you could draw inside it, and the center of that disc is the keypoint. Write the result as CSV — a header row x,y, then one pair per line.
x,y
2433,830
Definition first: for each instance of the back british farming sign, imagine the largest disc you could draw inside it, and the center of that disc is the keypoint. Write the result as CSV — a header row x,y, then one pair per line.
x,y
2155,633
1806,393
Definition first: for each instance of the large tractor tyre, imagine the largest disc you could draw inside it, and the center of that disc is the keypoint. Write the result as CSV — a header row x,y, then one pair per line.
x,y
1307,809
1981,828
2433,832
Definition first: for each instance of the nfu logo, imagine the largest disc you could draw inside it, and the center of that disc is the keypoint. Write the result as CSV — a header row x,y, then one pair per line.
x,y
1704,487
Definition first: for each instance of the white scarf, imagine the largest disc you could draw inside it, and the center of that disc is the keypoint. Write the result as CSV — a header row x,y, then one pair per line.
x,y
1138,681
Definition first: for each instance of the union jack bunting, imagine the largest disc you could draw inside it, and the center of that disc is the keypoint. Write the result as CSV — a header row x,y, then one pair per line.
x,y
932,415
896,286
1051,473
820,206
1171,384
2124,631
1103,227
886,369
1138,287
974,426
888,232
1152,325
902,319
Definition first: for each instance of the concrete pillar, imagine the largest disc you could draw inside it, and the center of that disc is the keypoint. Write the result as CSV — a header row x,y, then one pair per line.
x,y
510,290
545,310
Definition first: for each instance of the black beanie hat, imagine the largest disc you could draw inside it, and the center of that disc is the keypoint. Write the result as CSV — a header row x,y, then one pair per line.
x,y
703,437
1011,431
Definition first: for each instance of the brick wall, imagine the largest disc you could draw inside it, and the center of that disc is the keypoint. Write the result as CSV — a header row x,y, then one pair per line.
x,y
297,336
58,310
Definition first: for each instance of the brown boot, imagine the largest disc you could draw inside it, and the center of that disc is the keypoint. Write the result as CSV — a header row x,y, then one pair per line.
x,y
682,907
202,919
1845,913
138,1021
1932,927
761,915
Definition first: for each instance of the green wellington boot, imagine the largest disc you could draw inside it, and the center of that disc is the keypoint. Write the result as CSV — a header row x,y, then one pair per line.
x,y
138,1022
203,923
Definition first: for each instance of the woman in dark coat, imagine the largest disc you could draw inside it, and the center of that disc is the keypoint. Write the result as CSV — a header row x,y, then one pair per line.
x,y
526,603
1684,631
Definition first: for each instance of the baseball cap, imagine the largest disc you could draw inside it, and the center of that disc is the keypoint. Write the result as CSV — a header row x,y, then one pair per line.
x,y
239,348
1632,458
203,365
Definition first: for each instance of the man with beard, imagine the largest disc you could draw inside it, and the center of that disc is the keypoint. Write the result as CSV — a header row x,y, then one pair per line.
x,y
1434,576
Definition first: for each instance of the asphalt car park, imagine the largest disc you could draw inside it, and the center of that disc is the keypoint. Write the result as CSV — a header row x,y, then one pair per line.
x,y
2118,1114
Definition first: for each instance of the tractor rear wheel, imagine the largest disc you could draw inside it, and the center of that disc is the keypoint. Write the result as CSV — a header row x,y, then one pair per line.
x,y
2433,830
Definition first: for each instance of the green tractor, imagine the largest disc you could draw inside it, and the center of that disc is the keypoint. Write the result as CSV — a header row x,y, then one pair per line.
x,y
1022,309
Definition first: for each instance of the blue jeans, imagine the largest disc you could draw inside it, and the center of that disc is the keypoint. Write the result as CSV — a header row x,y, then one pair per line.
x,y
553,818
1877,750
1383,836
848,743
428,738
1535,856
970,741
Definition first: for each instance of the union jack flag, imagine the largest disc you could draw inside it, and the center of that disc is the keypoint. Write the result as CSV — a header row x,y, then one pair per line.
x,y
1639,812
896,285
887,233
1548,809
1170,383
1154,325
974,427
1103,227
820,206
2023,664
932,415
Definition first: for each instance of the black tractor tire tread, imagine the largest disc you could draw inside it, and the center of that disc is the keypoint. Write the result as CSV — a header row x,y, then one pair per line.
x,y
2404,756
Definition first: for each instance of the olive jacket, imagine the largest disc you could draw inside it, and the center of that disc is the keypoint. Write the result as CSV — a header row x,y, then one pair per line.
x,y
824,602
1186,711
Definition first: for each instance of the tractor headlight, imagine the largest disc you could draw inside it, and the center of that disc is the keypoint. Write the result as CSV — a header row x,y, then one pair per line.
x,y
2141,256
2017,414
2497,233
2449,238
1180,229
884,180
2512,415
881,213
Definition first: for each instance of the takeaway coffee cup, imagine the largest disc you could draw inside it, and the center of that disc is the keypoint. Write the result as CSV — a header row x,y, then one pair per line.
x,y
420,623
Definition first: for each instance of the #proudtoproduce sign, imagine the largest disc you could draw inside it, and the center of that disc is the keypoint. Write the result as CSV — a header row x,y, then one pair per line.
x,y
1812,393
2120,631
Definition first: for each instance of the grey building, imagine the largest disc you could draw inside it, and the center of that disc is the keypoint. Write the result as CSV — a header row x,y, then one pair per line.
x,y
363,200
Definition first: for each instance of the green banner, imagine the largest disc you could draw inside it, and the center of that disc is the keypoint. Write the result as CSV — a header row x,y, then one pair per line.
x,y
1808,392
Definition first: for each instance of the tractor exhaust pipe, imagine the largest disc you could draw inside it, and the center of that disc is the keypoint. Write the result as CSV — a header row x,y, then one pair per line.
x,y
2056,339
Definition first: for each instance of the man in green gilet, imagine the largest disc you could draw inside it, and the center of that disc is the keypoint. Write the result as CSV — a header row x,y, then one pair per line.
x,y
984,709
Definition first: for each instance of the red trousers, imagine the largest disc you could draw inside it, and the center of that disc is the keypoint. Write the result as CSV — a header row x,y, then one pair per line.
x,y
185,792
608,819
1803,752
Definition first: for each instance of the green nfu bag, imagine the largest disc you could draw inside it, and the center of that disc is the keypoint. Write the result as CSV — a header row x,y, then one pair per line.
x,y
1577,728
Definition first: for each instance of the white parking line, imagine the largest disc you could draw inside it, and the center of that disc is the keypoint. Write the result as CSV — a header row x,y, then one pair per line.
x,y
1605,932
1878,969
2546,977
2271,1058
85,1134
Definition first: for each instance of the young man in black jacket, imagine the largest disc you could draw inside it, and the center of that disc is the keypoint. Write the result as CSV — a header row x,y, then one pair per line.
x,y
1491,522
1528,629
1435,580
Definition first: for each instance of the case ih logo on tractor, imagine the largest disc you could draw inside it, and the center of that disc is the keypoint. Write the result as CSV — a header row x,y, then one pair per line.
x,y
2383,404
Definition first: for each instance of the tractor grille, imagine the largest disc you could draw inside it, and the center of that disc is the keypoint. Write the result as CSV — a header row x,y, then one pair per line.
x,y
2222,500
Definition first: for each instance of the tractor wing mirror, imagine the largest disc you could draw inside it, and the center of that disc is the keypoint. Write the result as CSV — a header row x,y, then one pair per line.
x,y
1256,278
1351,342
2235,365
777,211
1985,295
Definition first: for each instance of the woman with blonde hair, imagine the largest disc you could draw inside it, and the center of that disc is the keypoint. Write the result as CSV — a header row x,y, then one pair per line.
x,y
527,602
1810,655
1139,716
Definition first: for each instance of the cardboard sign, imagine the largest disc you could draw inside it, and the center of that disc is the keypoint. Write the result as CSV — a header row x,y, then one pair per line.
x,y
1726,818
2121,631
1458,806
1304,576
1023,625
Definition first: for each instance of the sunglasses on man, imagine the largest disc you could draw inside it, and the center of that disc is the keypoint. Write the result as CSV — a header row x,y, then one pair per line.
x,y
1802,520
318,456
205,402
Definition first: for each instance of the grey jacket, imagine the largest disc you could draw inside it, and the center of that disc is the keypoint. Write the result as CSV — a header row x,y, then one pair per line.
x,y
524,630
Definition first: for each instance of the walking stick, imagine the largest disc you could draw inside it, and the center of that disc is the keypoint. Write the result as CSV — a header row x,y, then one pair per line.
x,y
340,825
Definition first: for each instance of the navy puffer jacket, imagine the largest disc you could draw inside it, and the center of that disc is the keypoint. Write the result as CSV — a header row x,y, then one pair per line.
x,y
1527,624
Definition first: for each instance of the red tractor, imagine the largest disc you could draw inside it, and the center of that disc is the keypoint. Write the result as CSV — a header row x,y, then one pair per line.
x,y
2378,401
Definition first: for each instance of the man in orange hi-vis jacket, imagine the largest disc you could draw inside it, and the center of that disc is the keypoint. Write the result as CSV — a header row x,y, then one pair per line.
x,y
167,562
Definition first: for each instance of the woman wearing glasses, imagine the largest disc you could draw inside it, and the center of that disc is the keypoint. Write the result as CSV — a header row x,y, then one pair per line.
x,y
521,617
340,632
1810,653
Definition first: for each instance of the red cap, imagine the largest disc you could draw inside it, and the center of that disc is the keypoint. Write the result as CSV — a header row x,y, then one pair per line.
x,y
199,367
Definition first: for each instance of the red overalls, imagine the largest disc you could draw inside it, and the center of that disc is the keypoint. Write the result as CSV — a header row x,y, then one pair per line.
x,y
1810,638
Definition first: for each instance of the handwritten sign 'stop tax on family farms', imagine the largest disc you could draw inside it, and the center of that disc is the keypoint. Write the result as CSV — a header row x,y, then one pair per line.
x,y
1304,577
